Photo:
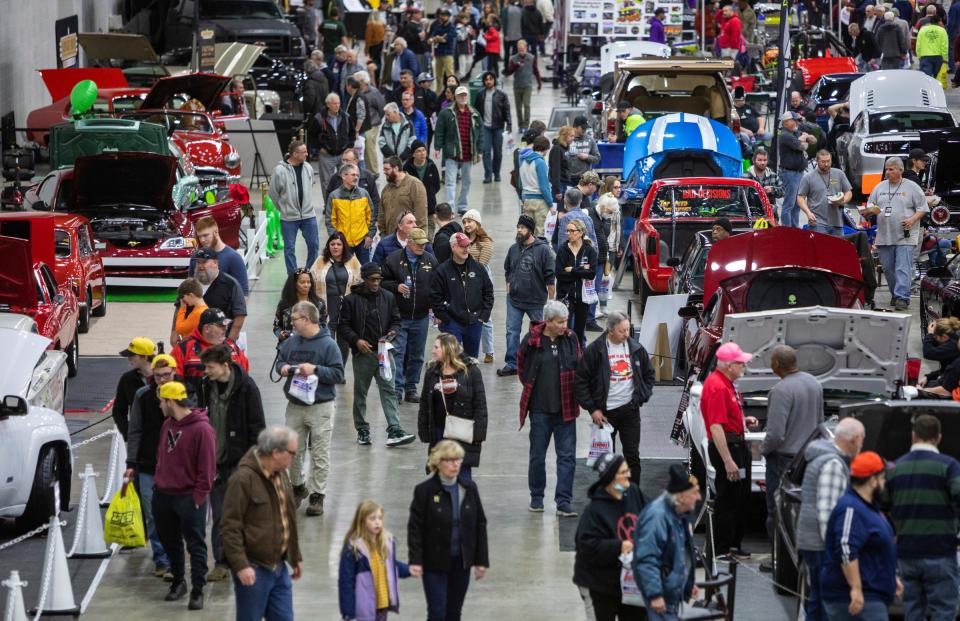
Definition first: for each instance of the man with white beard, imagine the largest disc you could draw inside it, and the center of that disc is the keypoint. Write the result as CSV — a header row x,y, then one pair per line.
x,y
220,290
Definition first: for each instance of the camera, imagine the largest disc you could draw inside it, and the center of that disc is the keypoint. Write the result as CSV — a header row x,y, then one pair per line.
x,y
294,369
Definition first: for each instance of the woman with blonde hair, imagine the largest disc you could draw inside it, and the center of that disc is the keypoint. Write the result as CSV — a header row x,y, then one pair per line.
x,y
481,249
940,345
576,263
453,396
447,533
369,569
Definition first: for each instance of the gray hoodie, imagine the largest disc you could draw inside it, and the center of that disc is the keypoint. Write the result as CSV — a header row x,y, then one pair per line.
x,y
283,191
320,350
587,145
529,270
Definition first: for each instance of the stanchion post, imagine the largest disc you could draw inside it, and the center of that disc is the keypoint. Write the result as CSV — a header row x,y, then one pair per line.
x,y
88,537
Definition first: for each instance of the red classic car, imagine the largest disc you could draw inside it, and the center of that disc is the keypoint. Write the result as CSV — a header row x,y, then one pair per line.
x,y
28,287
771,269
66,242
672,213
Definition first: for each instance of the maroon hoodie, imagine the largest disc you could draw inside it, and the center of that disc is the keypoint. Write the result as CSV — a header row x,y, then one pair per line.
x,y
187,457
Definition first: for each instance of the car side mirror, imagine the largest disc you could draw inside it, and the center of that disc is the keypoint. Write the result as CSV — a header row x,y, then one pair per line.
x,y
14,405
673,262
40,206
59,299
689,312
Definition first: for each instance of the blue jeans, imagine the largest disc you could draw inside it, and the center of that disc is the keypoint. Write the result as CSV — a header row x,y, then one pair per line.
x,y
146,505
897,264
492,151
826,229
486,338
308,228
450,169
592,309
873,610
270,597
930,65
814,605
652,615
542,427
776,464
929,588
408,346
515,329
789,213
468,335
446,590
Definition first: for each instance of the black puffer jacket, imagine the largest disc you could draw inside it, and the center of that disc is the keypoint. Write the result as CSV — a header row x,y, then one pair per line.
x,y
501,108
605,523
245,420
469,401
368,316
334,141
593,375
431,523
584,264
396,268
464,300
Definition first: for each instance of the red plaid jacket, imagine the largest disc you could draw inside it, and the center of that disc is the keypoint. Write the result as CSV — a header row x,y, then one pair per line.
x,y
528,359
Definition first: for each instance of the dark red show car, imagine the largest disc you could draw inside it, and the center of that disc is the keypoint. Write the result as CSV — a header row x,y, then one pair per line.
x,y
770,269
29,287
672,213
66,242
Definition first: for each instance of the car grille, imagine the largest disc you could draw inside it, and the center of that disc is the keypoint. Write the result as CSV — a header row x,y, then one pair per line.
x,y
275,45
146,271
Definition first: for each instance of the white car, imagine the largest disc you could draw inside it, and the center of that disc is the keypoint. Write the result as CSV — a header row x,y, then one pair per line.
x,y
857,355
887,111
35,449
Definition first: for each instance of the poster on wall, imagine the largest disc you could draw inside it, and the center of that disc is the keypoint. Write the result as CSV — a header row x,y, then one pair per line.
x,y
65,32
623,19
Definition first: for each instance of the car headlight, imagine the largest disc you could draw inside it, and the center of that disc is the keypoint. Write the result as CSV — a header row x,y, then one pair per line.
x,y
176,243
232,160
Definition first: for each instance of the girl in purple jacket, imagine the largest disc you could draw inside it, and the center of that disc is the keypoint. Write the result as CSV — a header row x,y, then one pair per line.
x,y
369,569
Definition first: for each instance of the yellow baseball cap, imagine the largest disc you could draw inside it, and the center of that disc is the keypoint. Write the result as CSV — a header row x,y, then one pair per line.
x,y
174,391
167,358
140,346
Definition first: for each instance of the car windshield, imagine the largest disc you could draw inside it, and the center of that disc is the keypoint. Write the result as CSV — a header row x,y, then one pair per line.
x,y
238,9
176,121
678,92
908,121
835,90
707,201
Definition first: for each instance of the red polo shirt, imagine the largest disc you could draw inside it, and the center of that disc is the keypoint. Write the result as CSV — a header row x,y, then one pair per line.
x,y
720,405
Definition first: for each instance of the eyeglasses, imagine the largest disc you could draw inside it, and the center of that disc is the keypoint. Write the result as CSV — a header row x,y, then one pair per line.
x,y
163,376
296,317
572,231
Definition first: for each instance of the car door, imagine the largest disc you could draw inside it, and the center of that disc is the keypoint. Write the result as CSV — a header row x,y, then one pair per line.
x,y
91,262
60,326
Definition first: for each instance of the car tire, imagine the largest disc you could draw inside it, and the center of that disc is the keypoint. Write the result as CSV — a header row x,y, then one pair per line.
x,y
84,324
785,573
40,504
73,356
101,311
645,293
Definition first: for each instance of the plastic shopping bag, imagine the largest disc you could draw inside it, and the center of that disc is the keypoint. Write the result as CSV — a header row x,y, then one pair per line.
x,y
942,77
304,388
508,141
630,594
550,224
601,441
124,520
603,291
385,359
358,146
588,295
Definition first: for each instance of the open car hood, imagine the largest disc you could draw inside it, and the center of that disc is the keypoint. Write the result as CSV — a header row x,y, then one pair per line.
x,y
68,141
895,88
17,287
845,349
122,179
204,87
117,46
60,82
812,69
889,424
236,58
22,350
776,247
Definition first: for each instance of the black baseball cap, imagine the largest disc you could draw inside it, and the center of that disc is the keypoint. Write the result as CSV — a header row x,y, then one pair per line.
x,y
581,121
213,315
918,154
205,254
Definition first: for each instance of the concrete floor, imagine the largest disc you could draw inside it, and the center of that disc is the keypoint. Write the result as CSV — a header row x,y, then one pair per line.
x,y
529,577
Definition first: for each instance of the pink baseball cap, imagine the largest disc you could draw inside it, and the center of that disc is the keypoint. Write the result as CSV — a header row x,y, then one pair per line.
x,y
460,239
731,352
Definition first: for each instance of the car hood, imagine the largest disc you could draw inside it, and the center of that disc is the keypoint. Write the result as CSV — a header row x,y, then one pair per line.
x,y
888,425
778,247
22,351
60,82
135,178
681,133
17,287
69,141
812,69
204,87
117,46
903,88
236,58
845,349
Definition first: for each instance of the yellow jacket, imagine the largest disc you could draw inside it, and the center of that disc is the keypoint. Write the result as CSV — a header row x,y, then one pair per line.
x,y
350,212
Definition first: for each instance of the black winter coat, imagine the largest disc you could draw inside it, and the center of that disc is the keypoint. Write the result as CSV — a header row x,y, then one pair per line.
x,y
396,268
315,91
470,401
245,420
151,419
531,23
557,165
601,227
430,525
570,284
501,108
604,525
465,301
431,182
130,382
441,239
362,310
335,142
593,375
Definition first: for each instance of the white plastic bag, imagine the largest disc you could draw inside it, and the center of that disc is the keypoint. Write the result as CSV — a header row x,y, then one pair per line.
x,y
630,594
385,359
601,441
588,294
509,141
550,224
304,388
603,291
358,145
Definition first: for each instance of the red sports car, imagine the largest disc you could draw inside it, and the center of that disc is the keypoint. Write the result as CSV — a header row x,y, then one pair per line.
x,y
672,213
29,287
66,242
767,270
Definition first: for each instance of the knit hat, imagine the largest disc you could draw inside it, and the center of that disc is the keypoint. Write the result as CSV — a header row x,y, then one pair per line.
x,y
370,269
724,223
527,222
680,480
590,177
607,466
472,214
866,464
416,144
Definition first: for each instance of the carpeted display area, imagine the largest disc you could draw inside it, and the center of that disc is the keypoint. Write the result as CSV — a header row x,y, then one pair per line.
x,y
95,384
141,294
